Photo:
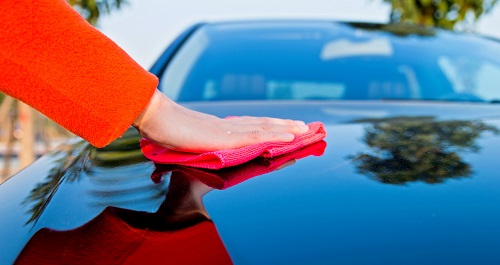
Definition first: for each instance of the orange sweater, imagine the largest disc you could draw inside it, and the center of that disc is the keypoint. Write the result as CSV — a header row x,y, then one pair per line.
x,y
53,60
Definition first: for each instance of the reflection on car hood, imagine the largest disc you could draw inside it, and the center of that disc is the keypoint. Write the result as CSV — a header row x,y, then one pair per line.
x,y
398,182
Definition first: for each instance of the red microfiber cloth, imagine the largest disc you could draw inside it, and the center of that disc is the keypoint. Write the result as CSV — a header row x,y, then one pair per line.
x,y
227,177
232,157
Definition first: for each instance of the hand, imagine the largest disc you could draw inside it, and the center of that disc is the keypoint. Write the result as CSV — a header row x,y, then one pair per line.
x,y
175,127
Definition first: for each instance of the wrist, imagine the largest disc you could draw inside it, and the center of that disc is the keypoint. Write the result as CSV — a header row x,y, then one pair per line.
x,y
148,111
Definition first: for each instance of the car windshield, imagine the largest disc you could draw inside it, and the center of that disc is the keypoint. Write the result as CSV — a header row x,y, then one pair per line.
x,y
332,61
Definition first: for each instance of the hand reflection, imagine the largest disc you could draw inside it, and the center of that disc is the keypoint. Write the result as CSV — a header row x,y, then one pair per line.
x,y
179,232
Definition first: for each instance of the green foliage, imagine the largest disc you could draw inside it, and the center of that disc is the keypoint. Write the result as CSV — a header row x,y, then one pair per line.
x,y
91,10
406,149
439,13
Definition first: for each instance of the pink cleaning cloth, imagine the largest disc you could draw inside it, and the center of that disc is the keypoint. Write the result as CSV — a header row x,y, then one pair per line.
x,y
232,157
227,177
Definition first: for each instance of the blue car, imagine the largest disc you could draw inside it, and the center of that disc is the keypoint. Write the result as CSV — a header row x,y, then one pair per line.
x,y
406,174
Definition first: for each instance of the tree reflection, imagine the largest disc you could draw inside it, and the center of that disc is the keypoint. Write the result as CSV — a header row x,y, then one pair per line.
x,y
406,149
70,161
123,151
74,159
398,29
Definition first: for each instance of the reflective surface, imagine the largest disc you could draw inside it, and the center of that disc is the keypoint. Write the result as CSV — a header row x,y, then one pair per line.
x,y
319,210
313,60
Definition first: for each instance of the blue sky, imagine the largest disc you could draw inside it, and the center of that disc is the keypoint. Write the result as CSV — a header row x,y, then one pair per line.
x,y
145,27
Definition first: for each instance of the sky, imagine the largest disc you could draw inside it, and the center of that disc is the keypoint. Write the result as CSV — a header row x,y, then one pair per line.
x,y
144,28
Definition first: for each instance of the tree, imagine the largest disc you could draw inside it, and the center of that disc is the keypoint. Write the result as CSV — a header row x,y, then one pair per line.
x,y
408,149
91,10
446,14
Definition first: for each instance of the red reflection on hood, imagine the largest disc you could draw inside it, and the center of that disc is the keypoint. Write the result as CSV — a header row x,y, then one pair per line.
x,y
107,239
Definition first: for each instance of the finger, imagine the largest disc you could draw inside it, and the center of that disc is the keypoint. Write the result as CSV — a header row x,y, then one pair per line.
x,y
241,139
272,127
288,163
256,120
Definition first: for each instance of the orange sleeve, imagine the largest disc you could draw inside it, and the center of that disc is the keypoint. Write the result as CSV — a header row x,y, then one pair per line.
x,y
53,60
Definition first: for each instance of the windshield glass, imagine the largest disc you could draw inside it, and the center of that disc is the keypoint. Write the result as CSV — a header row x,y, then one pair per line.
x,y
332,61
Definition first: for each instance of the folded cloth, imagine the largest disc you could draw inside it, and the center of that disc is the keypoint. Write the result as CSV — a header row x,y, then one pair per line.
x,y
232,157
227,177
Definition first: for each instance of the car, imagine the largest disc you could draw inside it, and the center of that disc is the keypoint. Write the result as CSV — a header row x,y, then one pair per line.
x,y
405,175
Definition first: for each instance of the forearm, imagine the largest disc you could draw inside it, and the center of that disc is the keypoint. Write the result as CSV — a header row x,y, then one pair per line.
x,y
52,59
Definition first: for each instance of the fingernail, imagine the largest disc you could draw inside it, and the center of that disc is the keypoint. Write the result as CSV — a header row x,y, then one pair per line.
x,y
300,122
304,128
288,136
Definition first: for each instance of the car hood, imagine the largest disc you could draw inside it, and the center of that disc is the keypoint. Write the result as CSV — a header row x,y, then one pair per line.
x,y
411,182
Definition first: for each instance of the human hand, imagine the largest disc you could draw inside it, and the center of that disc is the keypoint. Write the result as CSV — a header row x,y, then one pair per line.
x,y
175,127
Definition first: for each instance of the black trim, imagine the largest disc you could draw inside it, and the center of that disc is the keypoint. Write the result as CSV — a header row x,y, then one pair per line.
x,y
160,65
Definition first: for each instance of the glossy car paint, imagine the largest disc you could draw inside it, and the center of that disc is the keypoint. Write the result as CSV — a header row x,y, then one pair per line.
x,y
321,210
